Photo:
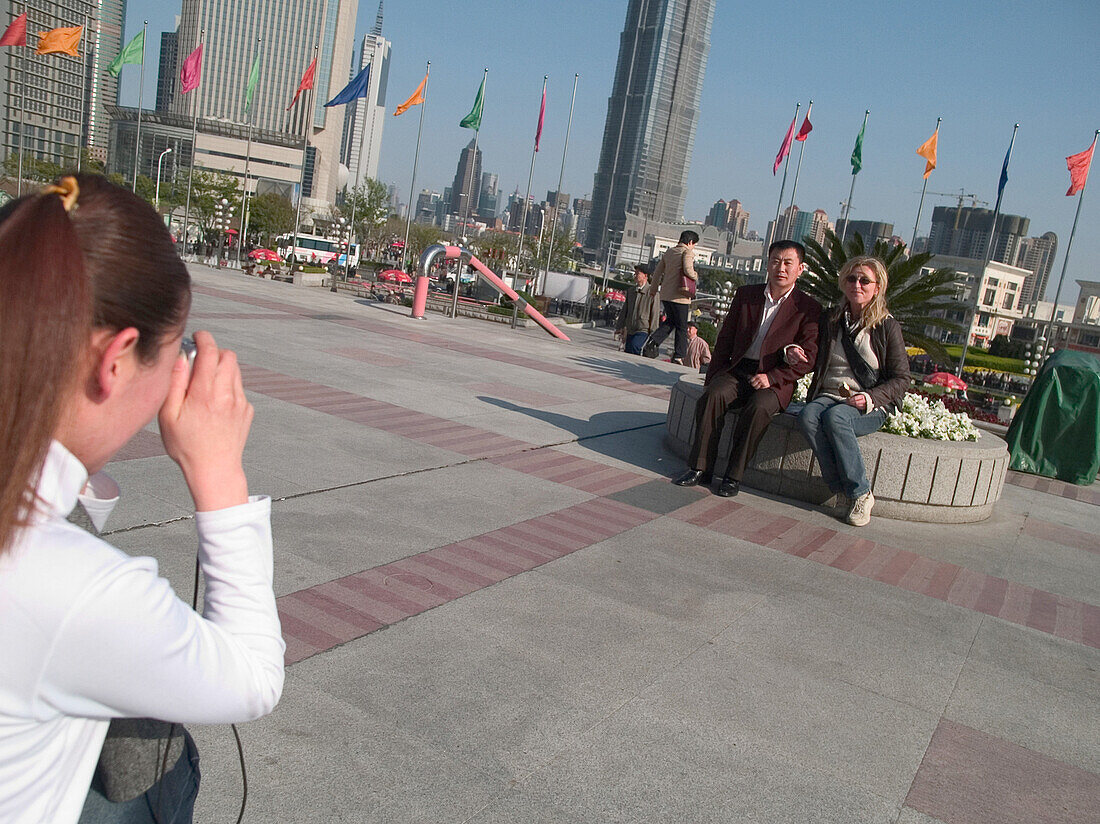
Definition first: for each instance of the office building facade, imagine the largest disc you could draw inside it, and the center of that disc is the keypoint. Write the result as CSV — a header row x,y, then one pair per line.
x,y
64,105
466,189
652,114
964,232
1036,254
366,116
234,34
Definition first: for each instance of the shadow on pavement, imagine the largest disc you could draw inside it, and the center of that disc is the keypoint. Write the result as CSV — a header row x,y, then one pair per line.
x,y
636,370
639,444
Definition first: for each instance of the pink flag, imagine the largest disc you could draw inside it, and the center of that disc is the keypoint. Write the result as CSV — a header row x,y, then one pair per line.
x,y
542,115
1078,166
804,132
192,71
786,147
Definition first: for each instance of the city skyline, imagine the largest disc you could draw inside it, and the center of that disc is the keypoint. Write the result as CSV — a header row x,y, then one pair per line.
x,y
990,68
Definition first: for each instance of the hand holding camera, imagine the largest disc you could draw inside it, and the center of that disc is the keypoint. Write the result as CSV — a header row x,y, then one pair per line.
x,y
204,423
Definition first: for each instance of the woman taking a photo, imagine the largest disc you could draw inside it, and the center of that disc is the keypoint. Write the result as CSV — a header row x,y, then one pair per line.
x,y
861,375
93,302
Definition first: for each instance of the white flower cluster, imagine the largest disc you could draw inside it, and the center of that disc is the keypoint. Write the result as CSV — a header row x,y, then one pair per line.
x,y
802,388
918,418
921,418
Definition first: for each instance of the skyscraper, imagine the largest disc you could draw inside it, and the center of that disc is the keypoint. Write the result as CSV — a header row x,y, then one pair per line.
x,y
65,96
652,113
367,115
1036,254
230,46
466,189
964,232
166,72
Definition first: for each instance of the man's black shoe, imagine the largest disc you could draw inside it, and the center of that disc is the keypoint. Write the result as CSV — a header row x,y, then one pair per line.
x,y
693,477
728,488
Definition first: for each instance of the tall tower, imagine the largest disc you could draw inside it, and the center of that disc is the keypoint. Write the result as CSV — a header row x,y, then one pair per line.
x,y
467,185
367,115
61,88
652,113
231,32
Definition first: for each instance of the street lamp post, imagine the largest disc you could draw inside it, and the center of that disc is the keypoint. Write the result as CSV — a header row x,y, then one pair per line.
x,y
159,161
340,234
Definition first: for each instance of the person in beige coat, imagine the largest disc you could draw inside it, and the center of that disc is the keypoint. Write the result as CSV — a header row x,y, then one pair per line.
x,y
675,265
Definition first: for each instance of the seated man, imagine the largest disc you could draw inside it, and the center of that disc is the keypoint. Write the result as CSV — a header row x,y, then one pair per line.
x,y
698,349
748,369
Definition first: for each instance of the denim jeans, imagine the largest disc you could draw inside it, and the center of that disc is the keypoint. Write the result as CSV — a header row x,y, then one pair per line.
x,y
170,801
832,426
634,343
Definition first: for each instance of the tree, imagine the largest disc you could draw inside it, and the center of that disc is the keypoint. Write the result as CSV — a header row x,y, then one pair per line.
x,y
421,236
710,279
207,190
269,215
911,296
369,203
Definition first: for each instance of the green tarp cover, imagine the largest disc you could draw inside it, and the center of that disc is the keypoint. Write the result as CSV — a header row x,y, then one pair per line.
x,y
1056,431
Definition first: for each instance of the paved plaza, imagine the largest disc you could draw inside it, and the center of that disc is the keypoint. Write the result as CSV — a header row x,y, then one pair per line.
x,y
497,608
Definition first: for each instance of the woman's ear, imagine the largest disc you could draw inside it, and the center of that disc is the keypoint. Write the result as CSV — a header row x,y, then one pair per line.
x,y
115,361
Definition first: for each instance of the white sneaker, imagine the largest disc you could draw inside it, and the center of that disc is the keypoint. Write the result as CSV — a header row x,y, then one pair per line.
x,y
860,513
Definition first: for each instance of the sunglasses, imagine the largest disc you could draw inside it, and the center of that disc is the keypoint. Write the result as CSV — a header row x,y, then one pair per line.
x,y
862,281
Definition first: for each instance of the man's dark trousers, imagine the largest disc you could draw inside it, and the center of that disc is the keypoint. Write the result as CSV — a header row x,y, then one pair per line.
x,y
727,390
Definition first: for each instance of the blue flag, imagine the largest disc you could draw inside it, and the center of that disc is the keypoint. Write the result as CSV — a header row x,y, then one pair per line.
x,y
355,89
1004,174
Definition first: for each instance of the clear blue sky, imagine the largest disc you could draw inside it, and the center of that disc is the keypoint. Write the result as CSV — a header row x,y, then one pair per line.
x,y
979,64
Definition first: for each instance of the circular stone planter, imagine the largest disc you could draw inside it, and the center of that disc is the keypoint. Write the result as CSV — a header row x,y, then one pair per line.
x,y
913,479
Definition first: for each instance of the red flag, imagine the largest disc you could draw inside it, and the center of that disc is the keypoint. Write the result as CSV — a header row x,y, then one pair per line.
x,y
1078,166
16,33
542,115
192,71
786,147
307,82
804,132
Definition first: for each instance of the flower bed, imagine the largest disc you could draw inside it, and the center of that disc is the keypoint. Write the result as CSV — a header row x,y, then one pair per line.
x,y
921,416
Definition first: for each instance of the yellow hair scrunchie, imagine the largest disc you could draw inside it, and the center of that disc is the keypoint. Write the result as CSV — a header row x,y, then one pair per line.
x,y
68,189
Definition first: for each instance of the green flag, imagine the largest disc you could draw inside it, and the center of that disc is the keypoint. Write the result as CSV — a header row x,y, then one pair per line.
x,y
253,79
473,119
857,152
134,54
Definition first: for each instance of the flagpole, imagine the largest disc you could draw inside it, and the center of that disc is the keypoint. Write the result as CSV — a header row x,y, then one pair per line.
x,y
247,169
783,185
358,171
527,200
1065,261
302,176
22,114
852,189
801,151
924,188
988,254
194,153
83,83
416,157
539,288
469,197
141,90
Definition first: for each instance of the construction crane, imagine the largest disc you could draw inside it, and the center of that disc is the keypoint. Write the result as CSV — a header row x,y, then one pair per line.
x,y
962,194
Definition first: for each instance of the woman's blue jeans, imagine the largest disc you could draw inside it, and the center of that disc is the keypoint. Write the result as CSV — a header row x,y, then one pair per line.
x,y
832,426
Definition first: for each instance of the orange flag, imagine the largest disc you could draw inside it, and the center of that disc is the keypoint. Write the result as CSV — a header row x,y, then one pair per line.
x,y
416,99
60,41
928,152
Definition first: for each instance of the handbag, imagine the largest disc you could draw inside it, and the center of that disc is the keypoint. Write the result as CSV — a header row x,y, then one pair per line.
x,y
687,285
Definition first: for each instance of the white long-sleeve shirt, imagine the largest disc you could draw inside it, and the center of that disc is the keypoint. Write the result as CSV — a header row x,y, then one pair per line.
x,y
88,633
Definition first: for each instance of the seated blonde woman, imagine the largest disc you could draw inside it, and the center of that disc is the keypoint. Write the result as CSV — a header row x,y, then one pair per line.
x,y
861,374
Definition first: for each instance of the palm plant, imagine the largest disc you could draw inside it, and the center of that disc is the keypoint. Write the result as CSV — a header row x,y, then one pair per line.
x,y
911,296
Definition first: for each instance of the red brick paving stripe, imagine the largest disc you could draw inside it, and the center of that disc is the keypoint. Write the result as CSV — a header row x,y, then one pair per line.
x,y
387,605
518,546
1088,495
608,481
1056,615
570,535
1059,534
342,625
489,560
545,539
334,592
406,595
459,582
304,631
971,777
144,444
432,559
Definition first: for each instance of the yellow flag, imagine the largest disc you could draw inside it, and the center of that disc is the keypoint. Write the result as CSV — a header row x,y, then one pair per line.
x,y
60,41
416,99
928,152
